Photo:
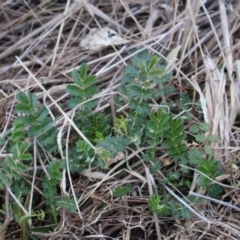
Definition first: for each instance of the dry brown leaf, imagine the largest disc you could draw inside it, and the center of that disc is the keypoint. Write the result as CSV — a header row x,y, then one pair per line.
x,y
98,38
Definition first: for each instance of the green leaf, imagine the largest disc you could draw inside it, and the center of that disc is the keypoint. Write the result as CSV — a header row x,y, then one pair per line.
x,y
172,176
185,213
67,203
215,191
200,138
143,68
208,150
22,98
205,127
75,77
90,80
33,100
131,72
83,89
156,72
139,57
20,148
26,156
114,144
82,146
80,75
212,138
73,89
194,156
121,191
139,107
27,104
139,92
194,128
21,108
210,168
83,70
158,125
104,154
5,181
153,62
156,207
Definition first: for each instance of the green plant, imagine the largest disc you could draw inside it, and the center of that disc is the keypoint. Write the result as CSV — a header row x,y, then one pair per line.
x,y
32,125
33,136
149,131
137,87
145,127
155,206
83,88
121,191
202,135
160,131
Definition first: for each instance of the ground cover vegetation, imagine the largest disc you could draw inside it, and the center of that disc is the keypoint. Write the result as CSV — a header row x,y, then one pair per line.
x,y
138,140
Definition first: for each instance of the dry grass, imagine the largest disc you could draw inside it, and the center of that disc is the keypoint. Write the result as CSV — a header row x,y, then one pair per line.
x,y
39,48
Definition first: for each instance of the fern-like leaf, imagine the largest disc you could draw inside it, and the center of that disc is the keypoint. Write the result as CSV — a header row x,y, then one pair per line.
x,y
157,126
114,145
84,87
174,139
